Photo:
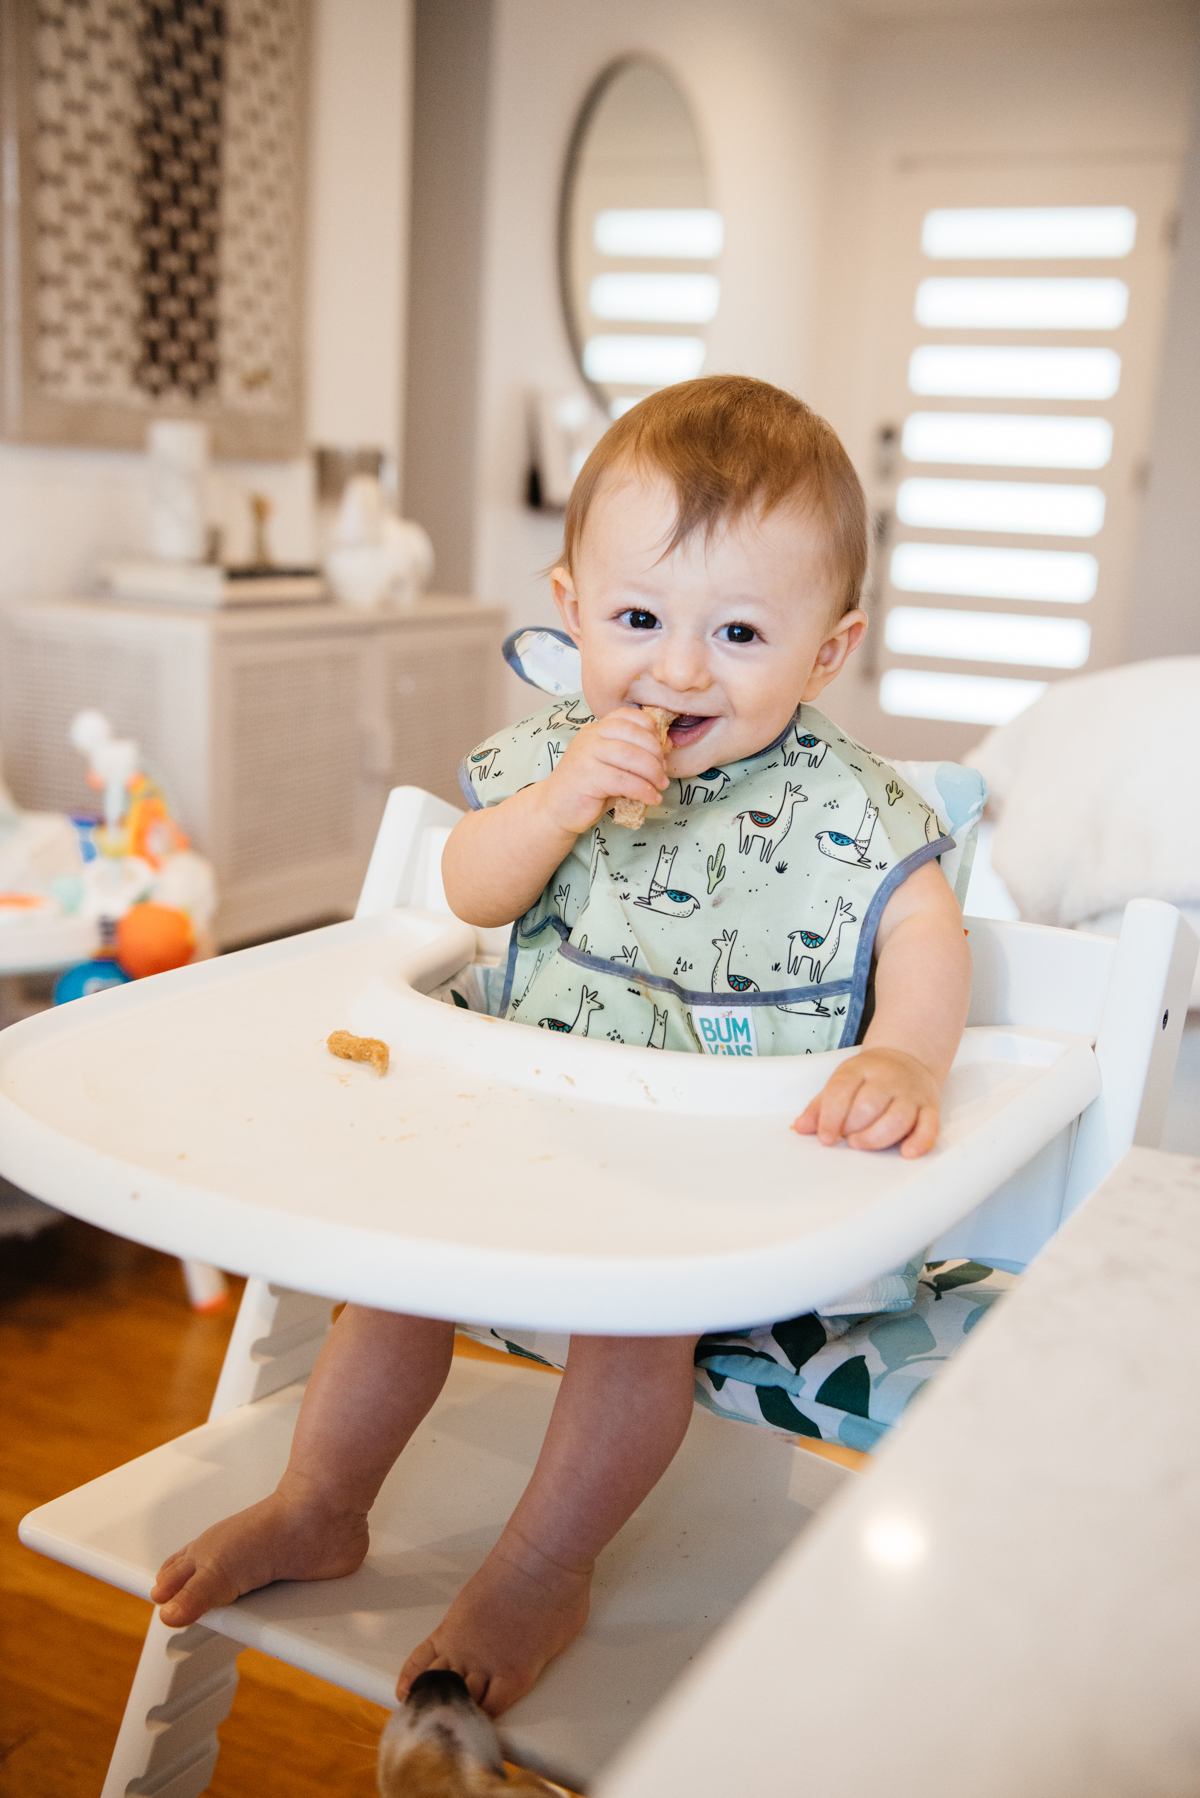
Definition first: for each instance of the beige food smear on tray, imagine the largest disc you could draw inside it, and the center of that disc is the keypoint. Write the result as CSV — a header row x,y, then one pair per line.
x,y
359,1048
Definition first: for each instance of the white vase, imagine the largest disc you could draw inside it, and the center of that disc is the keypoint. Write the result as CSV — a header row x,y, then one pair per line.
x,y
360,574
178,451
375,558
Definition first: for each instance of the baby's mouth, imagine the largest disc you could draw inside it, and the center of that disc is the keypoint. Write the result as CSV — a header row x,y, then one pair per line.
x,y
689,727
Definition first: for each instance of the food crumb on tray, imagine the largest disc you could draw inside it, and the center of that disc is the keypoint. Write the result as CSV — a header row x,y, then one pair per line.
x,y
359,1048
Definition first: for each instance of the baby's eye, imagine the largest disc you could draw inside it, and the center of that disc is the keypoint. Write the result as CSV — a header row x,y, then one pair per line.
x,y
639,620
738,633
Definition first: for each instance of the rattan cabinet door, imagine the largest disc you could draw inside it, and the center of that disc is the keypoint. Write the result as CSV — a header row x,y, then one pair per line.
x,y
287,768
438,701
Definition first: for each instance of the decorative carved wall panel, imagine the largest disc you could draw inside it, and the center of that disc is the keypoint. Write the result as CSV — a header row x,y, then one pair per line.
x,y
152,226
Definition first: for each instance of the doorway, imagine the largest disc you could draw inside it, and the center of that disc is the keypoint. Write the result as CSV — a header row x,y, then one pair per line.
x,y
1017,318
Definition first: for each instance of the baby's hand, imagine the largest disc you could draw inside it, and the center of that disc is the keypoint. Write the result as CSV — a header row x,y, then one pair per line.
x,y
617,756
877,1098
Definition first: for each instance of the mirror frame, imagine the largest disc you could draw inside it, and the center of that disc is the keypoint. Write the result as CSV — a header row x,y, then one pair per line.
x,y
579,132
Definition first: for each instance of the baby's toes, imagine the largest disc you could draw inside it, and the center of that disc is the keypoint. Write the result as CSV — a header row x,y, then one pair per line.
x,y
423,1657
174,1573
206,1588
498,1694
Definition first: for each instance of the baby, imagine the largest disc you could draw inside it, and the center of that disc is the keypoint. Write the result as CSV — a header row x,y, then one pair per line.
x,y
715,550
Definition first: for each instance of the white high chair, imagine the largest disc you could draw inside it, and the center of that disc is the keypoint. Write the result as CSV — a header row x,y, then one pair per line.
x,y
1070,1062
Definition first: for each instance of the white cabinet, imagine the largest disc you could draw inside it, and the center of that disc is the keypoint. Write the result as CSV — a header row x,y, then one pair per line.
x,y
276,732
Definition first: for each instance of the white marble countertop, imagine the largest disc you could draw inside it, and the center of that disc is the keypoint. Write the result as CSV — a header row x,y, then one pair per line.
x,y
303,616
1009,1603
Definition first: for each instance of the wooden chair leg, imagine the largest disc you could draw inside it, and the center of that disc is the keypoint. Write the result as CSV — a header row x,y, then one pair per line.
x,y
167,1746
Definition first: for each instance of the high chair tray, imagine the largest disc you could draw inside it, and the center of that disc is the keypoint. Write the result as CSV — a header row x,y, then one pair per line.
x,y
495,1170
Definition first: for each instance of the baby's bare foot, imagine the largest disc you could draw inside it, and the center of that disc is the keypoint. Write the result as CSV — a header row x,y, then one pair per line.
x,y
279,1538
509,1620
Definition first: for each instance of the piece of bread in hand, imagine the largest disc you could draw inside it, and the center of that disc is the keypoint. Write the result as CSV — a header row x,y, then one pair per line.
x,y
359,1048
632,812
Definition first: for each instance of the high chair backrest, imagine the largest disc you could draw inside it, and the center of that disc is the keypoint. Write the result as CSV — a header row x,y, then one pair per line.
x,y
406,862
1129,996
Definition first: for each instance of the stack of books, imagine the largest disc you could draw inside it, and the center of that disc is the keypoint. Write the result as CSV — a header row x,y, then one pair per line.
x,y
210,585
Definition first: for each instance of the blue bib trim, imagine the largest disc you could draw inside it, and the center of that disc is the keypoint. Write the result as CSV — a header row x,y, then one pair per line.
x,y
866,943
792,995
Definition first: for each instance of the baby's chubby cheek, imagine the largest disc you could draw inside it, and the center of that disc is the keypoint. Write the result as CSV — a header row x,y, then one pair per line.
x,y
604,696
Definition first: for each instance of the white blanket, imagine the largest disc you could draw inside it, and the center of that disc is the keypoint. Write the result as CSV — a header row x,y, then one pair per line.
x,y
1098,791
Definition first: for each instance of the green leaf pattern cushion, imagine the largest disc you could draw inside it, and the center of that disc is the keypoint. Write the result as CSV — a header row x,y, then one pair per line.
x,y
843,1379
831,1378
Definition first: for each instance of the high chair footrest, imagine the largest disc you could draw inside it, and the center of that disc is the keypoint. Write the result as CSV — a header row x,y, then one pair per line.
x,y
677,1570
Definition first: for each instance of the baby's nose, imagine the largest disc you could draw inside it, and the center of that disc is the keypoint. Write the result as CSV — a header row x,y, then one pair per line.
x,y
682,664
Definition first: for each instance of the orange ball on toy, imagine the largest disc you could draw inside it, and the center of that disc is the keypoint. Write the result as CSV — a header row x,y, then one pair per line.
x,y
152,938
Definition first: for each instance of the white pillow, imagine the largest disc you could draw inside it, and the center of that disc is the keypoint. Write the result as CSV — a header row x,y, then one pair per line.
x,y
1098,790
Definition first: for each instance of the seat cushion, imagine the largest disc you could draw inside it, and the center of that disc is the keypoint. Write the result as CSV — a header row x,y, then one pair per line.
x,y
841,1379
833,1378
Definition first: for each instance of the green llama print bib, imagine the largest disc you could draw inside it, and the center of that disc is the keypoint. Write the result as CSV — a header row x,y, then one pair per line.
x,y
739,919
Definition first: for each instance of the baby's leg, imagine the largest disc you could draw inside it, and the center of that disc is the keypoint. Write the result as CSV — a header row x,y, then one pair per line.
x,y
621,1413
375,1379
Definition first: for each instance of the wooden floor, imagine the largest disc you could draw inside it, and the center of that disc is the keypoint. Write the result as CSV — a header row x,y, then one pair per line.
x,y
102,1359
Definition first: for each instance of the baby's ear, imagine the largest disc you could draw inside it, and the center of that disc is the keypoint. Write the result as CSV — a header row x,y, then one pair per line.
x,y
836,650
563,589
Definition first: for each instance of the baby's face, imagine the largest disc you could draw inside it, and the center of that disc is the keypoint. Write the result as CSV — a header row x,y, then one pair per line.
x,y
732,634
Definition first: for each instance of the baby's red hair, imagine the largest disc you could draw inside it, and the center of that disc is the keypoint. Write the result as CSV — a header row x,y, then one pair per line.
x,y
731,445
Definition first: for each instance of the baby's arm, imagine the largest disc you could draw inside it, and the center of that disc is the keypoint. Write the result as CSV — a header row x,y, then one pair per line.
x,y
890,1092
498,860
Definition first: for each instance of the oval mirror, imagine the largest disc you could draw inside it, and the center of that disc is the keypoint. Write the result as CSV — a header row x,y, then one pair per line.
x,y
638,239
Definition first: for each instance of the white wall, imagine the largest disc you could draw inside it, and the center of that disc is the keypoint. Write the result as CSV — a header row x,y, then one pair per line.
x,y
762,83
452,63
1165,615
62,511
357,264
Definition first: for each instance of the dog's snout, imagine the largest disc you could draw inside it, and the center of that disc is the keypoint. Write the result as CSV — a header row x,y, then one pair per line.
x,y
439,1741
438,1686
